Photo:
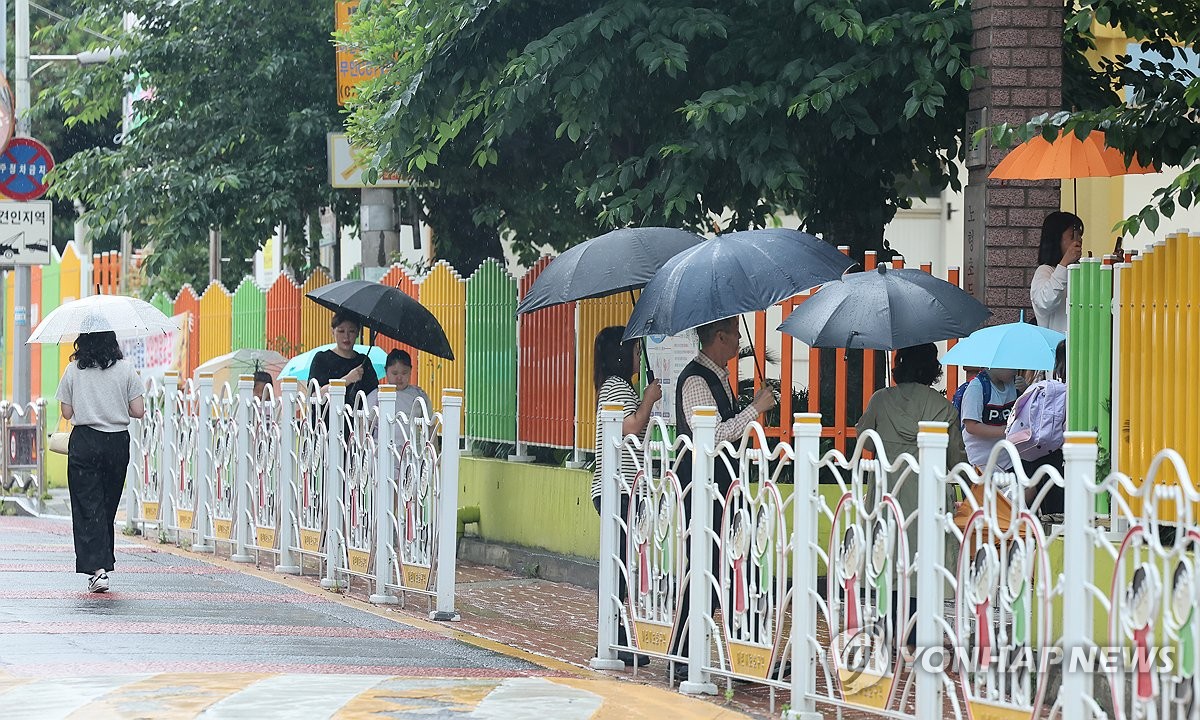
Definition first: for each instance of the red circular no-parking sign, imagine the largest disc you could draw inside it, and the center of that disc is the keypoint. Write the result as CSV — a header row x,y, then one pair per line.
x,y
23,167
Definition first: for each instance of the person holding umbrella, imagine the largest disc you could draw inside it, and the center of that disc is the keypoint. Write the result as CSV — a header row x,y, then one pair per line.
x,y
343,361
99,392
1061,246
616,363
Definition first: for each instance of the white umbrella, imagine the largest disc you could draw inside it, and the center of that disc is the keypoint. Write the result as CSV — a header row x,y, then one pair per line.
x,y
128,317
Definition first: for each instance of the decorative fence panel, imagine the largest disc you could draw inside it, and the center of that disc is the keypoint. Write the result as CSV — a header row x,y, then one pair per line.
x,y
546,371
444,294
283,316
249,316
374,496
70,282
216,309
992,610
491,354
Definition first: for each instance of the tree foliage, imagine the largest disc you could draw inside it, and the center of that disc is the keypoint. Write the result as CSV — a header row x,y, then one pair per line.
x,y
552,119
231,134
1159,123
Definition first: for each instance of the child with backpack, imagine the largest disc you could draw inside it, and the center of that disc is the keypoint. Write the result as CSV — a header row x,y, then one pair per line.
x,y
1036,428
984,405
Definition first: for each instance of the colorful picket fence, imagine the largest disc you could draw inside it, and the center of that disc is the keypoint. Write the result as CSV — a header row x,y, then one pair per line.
x,y
527,380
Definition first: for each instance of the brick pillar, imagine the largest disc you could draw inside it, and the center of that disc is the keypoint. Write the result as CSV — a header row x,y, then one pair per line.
x,y
1019,44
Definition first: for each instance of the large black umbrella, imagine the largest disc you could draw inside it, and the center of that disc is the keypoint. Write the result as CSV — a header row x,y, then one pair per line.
x,y
885,309
387,311
620,261
733,274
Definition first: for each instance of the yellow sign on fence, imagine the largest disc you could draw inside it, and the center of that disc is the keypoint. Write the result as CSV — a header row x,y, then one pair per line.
x,y
350,70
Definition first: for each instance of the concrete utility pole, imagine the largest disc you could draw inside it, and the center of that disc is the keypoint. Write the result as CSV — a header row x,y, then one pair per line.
x,y
21,354
214,255
378,227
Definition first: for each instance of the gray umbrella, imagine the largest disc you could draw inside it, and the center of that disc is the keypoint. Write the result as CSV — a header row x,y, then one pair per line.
x,y
885,309
730,275
620,261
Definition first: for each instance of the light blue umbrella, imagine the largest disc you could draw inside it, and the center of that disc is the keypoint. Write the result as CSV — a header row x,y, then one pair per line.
x,y
1015,346
298,366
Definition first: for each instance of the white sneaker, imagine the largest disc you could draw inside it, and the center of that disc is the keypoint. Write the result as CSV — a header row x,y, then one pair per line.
x,y
98,583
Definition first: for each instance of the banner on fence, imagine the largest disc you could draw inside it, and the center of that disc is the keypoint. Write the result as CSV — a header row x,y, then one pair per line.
x,y
154,356
668,354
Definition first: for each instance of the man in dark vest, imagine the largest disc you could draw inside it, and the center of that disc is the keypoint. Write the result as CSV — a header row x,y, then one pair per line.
x,y
705,382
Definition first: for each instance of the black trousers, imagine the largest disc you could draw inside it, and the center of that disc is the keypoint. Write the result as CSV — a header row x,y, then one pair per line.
x,y
96,466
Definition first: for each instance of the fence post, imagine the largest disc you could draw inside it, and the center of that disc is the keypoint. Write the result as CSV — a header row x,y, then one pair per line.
x,y
932,441
704,440
243,514
385,500
167,455
806,434
288,564
1079,456
333,482
611,417
447,506
204,388
40,485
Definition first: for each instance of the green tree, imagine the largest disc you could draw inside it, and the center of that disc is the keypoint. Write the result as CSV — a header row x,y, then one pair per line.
x,y
553,119
1159,123
232,134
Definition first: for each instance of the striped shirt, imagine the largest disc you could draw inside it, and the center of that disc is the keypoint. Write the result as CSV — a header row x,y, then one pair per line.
x,y
614,390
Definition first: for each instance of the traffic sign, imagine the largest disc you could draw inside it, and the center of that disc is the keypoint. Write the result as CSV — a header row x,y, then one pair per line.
x,y
25,232
350,70
345,170
23,167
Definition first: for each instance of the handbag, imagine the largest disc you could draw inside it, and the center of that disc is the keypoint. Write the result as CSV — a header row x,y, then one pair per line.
x,y
58,442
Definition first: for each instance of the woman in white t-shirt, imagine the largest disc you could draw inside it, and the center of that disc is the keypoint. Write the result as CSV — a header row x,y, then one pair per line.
x,y
99,392
615,363
1061,246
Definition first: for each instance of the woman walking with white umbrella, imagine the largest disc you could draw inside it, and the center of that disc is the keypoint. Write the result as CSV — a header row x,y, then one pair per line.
x,y
100,393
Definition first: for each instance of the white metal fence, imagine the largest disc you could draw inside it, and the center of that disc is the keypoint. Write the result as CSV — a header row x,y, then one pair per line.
x,y
901,587
361,491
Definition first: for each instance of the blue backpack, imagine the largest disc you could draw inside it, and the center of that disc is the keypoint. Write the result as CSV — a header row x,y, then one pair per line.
x,y
985,383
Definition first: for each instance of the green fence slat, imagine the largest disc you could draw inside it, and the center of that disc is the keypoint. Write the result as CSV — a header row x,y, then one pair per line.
x,y
249,316
491,354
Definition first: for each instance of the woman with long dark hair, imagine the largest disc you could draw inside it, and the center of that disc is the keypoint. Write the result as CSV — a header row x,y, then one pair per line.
x,y
615,364
99,393
1061,245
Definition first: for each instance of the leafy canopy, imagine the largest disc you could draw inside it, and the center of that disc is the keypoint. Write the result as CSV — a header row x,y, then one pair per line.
x,y
231,134
1159,123
555,118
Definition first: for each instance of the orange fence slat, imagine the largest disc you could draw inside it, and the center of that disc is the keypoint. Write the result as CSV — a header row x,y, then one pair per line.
x,y
283,316
546,376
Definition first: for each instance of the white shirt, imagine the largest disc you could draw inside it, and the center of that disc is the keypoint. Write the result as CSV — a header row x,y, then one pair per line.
x,y
1048,293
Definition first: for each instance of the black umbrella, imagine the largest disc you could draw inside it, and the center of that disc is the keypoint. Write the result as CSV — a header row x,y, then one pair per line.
x,y
387,311
733,274
885,309
620,261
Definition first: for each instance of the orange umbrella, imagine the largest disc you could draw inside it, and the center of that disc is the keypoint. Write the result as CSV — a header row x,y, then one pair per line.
x,y
1067,157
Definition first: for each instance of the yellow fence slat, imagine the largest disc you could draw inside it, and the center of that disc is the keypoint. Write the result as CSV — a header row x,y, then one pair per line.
x,y
444,293
216,321
593,316
314,319
70,277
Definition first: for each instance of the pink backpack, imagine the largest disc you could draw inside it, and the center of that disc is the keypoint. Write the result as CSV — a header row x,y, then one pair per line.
x,y
1038,419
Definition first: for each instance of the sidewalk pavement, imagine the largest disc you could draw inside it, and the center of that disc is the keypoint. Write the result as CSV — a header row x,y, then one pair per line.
x,y
182,635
